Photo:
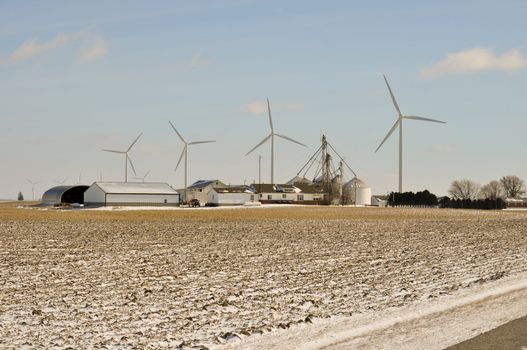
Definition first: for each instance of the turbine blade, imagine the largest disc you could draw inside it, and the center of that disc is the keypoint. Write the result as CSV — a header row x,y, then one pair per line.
x,y
290,139
133,143
269,113
258,145
413,117
177,132
110,150
196,142
180,157
389,133
393,97
131,164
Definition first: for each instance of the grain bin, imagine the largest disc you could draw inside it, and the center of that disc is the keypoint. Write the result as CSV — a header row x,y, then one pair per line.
x,y
356,192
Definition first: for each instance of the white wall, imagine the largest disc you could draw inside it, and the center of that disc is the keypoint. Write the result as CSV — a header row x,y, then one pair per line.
x,y
112,199
94,195
231,198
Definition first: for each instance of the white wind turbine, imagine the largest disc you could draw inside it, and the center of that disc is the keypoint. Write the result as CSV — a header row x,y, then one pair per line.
x,y
126,158
185,153
33,183
144,177
61,182
272,137
399,123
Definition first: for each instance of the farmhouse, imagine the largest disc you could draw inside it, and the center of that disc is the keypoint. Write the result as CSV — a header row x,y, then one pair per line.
x,y
60,195
200,190
299,193
232,195
131,194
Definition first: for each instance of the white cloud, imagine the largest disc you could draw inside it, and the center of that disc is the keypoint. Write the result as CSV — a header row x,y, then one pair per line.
x,y
96,46
34,47
475,60
259,107
256,107
198,61
96,50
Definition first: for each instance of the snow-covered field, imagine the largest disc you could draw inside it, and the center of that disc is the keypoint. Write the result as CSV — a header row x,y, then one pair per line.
x,y
227,277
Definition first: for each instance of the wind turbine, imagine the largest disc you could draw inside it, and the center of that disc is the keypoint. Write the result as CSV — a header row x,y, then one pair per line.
x,y
399,123
272,137
61,182
126,158
185,153
33,183
144,177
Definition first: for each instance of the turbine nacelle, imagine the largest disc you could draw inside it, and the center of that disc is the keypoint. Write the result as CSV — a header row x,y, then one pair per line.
x,y
127,160
399,124
272,136
184,152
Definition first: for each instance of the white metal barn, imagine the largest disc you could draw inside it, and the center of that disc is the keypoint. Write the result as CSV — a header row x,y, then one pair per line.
x,y
232,195
130,194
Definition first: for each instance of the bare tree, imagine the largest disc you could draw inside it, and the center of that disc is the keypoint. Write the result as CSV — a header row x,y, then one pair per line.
x,y
513,185
493,190
464,189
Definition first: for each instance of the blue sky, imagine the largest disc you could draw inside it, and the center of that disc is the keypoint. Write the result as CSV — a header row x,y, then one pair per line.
x,y
76,77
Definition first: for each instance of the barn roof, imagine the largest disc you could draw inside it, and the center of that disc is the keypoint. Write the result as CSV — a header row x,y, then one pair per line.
x,y
204,183
234,189
136,187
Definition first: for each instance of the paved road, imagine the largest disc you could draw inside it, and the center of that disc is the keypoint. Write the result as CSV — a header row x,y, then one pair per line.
x,y
512,335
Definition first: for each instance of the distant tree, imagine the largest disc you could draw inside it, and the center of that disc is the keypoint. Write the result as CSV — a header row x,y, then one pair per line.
x,y
513,186
493,190
20,196
421,199
464,189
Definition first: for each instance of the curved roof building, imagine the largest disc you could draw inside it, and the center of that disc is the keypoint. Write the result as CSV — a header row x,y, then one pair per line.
x,y
64,195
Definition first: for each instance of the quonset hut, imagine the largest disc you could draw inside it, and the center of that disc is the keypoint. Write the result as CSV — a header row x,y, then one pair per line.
x,y
131,194
60,195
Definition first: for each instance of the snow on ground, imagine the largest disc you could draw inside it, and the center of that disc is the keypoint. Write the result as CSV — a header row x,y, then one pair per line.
x,y
427,324
180,283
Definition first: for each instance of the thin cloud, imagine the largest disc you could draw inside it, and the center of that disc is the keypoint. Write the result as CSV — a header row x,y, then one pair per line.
x,y
259,107
256,107
98,49
34,47
473,61
198,61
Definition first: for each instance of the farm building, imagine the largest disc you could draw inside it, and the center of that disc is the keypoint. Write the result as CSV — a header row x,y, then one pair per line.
x,y
379,201
60,195
356,192
232,195
131,194
299,193
200,190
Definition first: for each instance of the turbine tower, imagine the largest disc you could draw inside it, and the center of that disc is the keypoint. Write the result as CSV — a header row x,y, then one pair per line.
x,y
126,158
185,153
33,183
272,137
399,123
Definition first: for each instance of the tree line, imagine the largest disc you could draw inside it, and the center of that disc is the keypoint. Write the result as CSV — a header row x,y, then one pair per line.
x,y
418,199
469,194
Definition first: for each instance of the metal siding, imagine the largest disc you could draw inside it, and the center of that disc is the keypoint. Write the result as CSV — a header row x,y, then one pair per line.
x,y
232,198
94,195
142,198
